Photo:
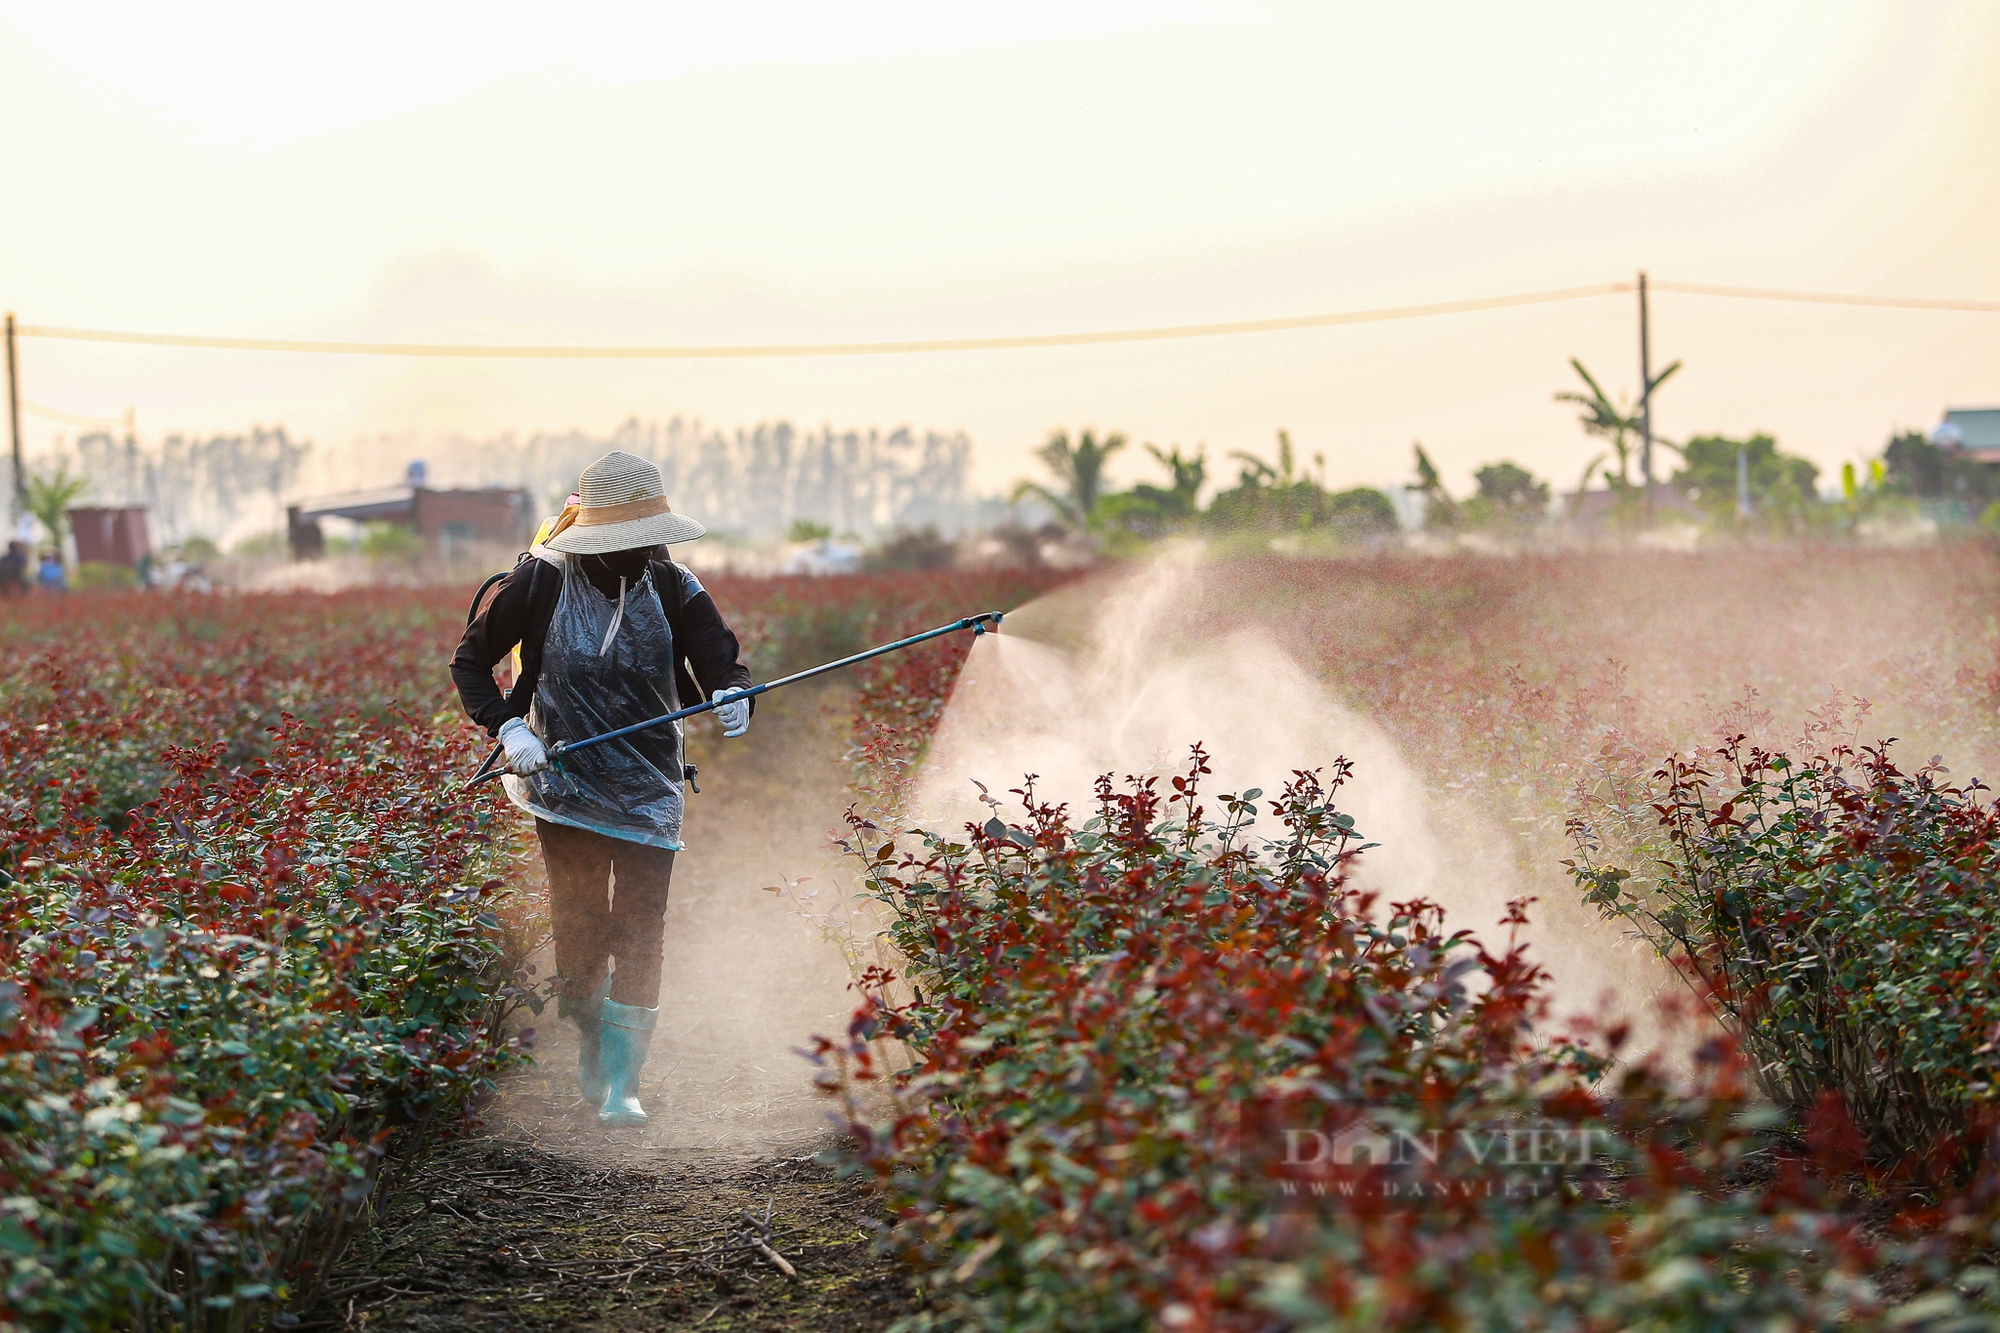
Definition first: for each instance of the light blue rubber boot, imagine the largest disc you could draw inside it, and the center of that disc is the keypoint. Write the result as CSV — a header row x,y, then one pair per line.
x,y
588,1015
627,1032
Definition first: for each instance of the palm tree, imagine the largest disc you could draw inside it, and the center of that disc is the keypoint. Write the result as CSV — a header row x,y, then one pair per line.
x,y
1440,510
1079,474
50,496
1188,472
1615,422
1256,472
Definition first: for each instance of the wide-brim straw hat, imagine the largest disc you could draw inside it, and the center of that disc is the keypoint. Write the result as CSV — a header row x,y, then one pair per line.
x,y
622,504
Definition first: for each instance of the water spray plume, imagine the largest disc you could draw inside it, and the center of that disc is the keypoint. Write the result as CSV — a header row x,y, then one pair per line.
x,y
1124,674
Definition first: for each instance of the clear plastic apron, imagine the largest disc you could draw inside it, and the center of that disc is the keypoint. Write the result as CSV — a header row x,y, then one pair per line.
x,y
607,664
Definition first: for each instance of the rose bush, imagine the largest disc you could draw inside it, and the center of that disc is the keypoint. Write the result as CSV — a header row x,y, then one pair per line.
x,y
239,948
1092,1007
1839,913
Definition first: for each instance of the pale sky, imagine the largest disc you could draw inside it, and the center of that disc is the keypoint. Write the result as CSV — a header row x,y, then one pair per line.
x,y
813,172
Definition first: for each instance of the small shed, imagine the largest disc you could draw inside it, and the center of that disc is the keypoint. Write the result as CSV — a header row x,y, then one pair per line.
x,y
449,522
110,536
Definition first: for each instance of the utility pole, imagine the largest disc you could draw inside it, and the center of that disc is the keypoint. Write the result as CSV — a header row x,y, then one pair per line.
x,y
132,491
14,421
1645,400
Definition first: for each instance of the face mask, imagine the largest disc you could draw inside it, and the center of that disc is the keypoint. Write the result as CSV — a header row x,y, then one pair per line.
x,y
627,565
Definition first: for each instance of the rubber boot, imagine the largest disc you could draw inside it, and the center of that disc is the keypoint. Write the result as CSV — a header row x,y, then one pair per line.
x,y
588,1015
628,1031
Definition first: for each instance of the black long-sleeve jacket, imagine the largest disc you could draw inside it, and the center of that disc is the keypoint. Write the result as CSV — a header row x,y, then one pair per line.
x,y
521,607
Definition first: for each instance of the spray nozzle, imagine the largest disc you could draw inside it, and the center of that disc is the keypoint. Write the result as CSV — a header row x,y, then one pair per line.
x,y
985,620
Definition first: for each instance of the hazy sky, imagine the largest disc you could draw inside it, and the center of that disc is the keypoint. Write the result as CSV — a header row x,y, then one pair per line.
x,y
814,172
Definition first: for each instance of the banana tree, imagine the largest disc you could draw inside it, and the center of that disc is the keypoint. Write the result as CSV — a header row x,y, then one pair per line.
x,y
1440,510
1615,422
1256,472
50,494
1079,473
1188,472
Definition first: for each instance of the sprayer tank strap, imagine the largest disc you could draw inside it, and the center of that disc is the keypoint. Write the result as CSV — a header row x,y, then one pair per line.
x,y
519,612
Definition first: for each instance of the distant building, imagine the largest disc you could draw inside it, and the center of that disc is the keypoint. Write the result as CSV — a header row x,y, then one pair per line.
x,y
825,556
449,523
1971,432
110,536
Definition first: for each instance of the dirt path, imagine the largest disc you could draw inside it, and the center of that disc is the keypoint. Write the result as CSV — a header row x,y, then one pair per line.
x,y
541,1219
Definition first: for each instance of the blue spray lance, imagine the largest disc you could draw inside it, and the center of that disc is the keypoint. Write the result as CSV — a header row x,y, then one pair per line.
x,y
978,624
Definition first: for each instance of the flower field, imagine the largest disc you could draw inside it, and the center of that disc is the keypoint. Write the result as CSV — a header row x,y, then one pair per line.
x,y
260,950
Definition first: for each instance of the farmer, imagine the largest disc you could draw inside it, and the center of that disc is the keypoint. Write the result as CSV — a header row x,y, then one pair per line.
x,y
14,570
52,577
611,632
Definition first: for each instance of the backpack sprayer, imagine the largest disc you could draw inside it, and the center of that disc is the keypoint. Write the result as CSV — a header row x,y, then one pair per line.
x,y
978,624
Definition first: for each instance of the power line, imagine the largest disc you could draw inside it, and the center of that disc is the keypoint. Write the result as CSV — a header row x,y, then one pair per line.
x,y
68,418
1160,333
711,352
1827,298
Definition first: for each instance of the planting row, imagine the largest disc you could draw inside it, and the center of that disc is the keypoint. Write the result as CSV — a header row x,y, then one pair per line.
x,y
245,939
252,930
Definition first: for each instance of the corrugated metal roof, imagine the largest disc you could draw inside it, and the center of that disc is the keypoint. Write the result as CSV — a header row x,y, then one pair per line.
x,y
1978,427
361,506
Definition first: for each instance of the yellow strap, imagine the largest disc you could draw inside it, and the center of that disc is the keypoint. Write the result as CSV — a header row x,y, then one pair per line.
x,y
550,527
555,526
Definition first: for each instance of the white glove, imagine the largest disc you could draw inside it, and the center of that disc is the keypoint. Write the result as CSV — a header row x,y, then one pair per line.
x,y
734,714
525,752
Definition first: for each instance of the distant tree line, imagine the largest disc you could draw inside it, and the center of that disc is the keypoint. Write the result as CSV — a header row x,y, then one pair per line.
x,y
1268,497
755,483
1748,484
1913,466
776,479
192,484
763,481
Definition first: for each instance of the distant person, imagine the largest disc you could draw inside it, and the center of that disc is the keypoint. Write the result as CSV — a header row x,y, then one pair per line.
x,y
14,570
52,577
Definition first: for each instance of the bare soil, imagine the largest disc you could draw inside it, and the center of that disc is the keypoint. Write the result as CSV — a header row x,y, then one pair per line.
x,y
539,1218
496,1233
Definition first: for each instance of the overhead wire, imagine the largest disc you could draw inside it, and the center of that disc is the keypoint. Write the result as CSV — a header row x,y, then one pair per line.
x,y
751,350
68,418
1825,298
1156,333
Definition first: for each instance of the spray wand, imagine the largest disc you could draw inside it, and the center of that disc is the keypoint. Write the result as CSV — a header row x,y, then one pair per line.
x,y
978,624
